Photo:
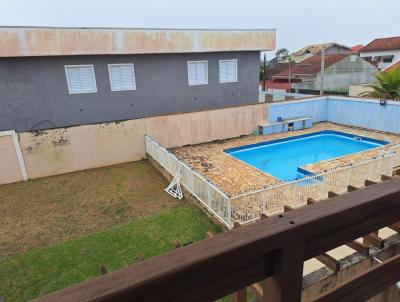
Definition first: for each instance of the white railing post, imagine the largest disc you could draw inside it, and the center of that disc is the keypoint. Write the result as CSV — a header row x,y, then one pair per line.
x,y
229,212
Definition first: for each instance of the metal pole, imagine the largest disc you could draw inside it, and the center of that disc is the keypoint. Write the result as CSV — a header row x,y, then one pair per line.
x,y
290,75
321,92
265,72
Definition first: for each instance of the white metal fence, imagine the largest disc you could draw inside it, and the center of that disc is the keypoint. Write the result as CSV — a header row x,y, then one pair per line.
x,y
216,201
270,200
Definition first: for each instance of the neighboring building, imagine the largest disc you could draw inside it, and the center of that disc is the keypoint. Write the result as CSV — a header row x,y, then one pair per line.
x,y
392,66
382,52
274,69
316,49
356,49
357,90
60,77
341,70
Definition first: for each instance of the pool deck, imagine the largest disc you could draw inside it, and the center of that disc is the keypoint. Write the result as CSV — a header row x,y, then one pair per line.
x,y
235,177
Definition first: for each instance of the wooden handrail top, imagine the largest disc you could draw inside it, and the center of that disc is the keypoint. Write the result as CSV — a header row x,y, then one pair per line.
x,y
212,268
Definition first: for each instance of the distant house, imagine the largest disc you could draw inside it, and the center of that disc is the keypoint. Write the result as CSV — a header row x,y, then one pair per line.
x,y
61,77
316,49
356,48
392,66
383,51
341,70
358,89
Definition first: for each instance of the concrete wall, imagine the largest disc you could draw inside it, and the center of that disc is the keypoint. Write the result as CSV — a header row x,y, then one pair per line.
x,y
9,166
356,90
57,151
34,92
342,74
316,108
362,113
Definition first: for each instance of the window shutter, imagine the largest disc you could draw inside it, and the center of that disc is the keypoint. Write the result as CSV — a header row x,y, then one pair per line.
x,y
81,79
197,73
122,77
227,71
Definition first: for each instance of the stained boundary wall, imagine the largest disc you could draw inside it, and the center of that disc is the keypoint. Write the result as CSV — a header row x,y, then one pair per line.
x,y
63,150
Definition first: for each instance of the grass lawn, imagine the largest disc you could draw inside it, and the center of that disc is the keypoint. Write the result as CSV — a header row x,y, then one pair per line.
x,y
50,268
58,231
49,210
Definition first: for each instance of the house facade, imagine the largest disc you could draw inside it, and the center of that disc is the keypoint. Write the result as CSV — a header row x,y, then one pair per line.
x,y
341,70
61,77
316,49
382,51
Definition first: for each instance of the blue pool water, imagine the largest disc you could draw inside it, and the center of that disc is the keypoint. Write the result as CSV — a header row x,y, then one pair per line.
x,y
282,158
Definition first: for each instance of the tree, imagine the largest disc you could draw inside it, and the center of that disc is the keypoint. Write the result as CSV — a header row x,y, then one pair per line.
x,y
281,55
388,86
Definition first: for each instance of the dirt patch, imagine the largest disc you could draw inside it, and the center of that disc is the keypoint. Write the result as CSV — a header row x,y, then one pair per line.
x,y
49,210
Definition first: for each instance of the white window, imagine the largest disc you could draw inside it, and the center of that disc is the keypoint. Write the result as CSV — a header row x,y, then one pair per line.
x,y
122,77
197,72
80,79
227,71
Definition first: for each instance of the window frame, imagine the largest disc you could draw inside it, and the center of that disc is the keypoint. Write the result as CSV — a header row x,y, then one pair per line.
x,y
133,72
236,72
81,65
198,61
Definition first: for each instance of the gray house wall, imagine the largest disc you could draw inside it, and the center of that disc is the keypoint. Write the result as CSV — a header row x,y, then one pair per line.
x,y
342,74
335,49
34,92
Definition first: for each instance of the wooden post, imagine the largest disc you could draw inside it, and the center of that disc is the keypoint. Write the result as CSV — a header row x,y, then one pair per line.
x,y
374,240
332,194
329,261
351,188
385,177
369,182
311,201
286,284
287,208
240,295
359,247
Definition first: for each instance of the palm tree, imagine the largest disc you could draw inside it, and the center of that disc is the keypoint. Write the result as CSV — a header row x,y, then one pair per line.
x,y
388,86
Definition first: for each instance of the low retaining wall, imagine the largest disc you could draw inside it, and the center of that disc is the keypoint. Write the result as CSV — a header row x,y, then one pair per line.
x,y
63,150
358,112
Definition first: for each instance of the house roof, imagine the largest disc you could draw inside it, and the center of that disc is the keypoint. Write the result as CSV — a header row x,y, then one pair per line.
x,y
392,66
317,48
356,48
274,69
49,41
312,65
382,44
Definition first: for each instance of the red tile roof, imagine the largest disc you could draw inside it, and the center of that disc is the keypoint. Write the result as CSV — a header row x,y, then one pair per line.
x,y
392,66
312,65
275,69
356,48
382,44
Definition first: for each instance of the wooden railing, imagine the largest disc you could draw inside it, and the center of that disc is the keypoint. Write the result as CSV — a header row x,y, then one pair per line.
x,y
272,250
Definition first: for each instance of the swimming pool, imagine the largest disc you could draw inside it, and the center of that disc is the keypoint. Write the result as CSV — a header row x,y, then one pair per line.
x,y
282,158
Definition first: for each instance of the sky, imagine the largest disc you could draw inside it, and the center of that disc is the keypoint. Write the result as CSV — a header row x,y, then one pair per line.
x,y
298,22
